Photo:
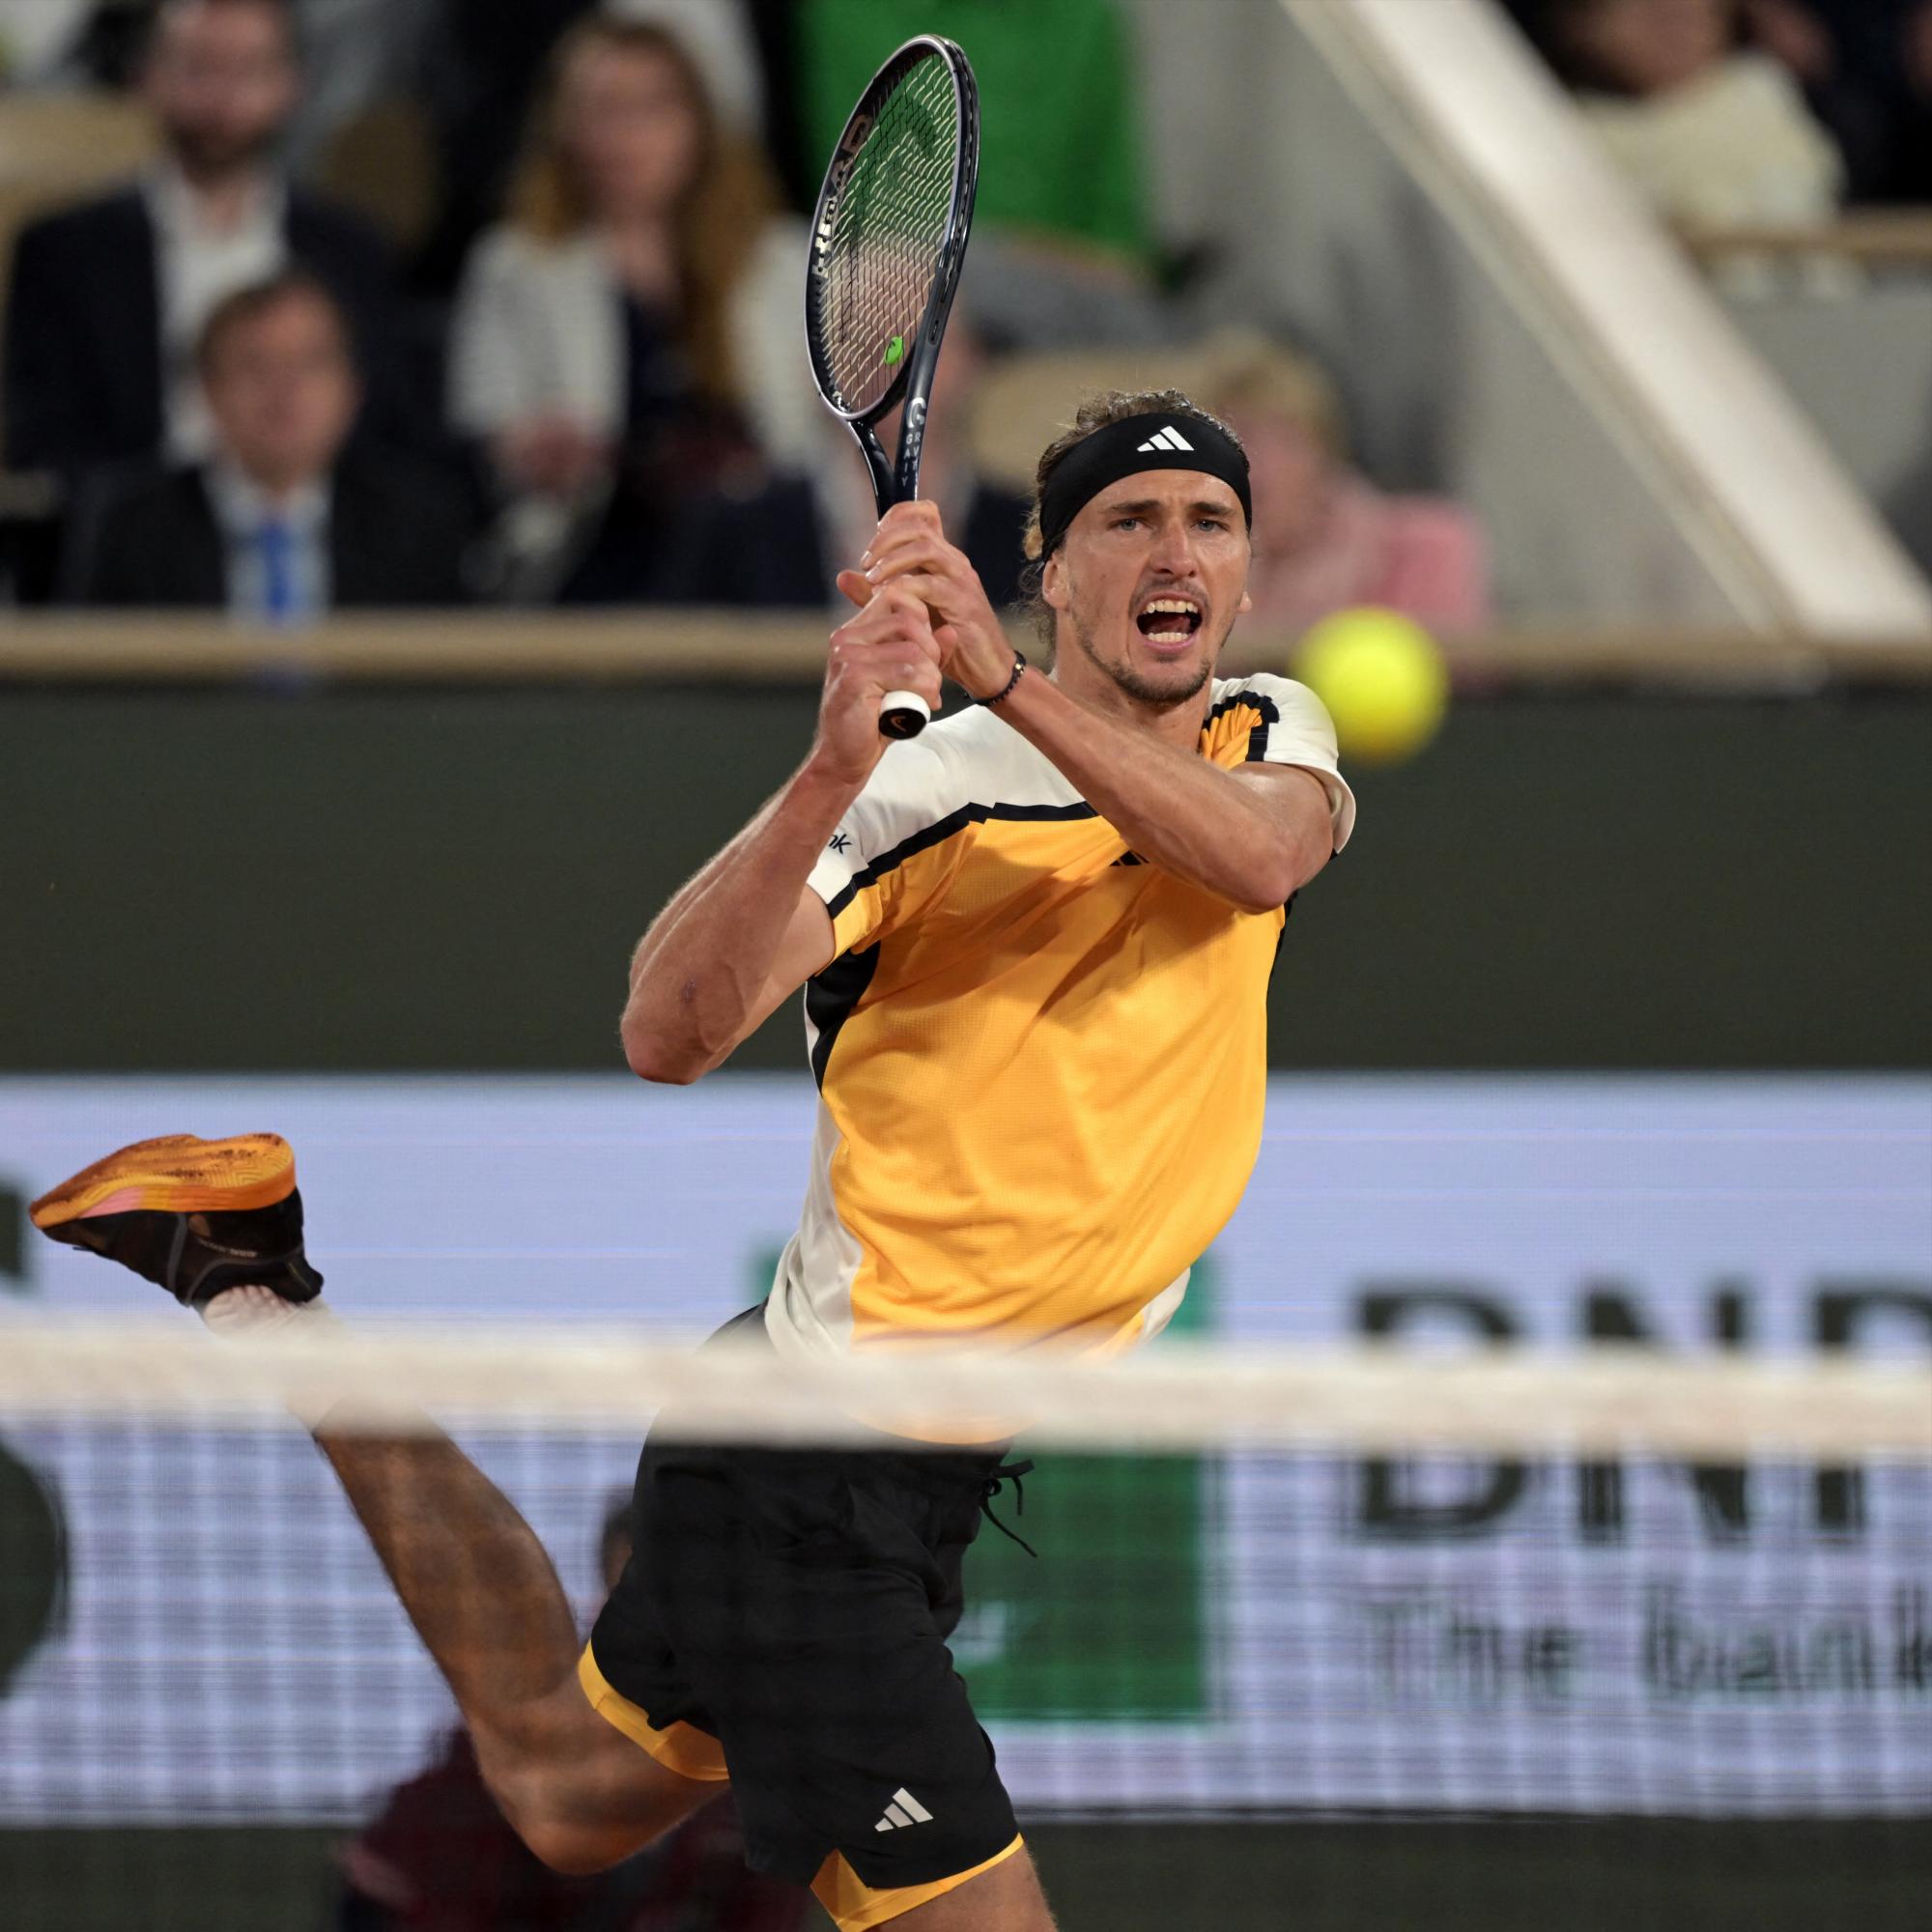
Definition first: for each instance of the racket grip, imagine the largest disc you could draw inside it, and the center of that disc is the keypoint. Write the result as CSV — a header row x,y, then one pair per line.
x,y
902,714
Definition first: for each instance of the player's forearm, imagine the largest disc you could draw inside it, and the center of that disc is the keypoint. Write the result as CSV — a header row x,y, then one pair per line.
x,y
1175,808
698,974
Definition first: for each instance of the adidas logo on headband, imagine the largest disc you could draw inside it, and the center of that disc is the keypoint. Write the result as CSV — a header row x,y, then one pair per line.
x,y
1168,438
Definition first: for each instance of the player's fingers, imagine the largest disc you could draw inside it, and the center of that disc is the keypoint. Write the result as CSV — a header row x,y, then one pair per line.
x,y
854,586
922,513
919,548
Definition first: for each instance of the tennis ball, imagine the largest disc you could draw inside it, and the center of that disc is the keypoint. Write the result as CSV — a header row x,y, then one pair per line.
x,y
1382,679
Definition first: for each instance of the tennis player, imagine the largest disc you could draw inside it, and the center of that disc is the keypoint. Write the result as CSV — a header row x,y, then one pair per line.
x,y
1034,945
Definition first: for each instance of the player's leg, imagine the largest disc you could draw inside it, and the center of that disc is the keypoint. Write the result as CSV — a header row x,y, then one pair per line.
x,y
210,1221
1008,1899
486,1603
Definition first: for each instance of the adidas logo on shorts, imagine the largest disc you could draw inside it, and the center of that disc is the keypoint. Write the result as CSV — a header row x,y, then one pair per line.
x,y
1168,438
904,1810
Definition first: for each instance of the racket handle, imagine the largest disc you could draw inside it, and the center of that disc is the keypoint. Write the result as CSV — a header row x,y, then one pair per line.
x,y
902,714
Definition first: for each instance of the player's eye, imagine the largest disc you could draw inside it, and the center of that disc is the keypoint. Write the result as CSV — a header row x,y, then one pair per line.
x,y
1124,523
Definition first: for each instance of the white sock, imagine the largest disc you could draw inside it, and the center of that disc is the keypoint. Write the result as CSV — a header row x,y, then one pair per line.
x,y
251,1312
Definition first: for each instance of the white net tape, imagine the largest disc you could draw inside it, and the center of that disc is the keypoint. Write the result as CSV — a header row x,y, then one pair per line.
x,y
1368,1398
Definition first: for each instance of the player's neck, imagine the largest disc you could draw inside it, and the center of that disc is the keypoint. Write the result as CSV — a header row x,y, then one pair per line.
x,y
1177,722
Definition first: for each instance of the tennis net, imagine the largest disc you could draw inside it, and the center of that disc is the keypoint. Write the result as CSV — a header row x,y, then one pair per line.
x,y
1315,1638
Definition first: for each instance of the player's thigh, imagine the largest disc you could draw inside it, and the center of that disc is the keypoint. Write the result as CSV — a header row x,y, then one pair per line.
x,y
1008,1899
579,1792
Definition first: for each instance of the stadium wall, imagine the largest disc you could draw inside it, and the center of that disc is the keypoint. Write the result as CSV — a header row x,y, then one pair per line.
x,y
351,879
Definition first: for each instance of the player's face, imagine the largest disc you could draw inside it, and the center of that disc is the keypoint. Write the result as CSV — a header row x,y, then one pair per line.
x,y
1150,579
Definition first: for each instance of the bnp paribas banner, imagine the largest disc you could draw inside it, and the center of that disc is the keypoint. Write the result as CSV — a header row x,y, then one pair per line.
x,y
191,1627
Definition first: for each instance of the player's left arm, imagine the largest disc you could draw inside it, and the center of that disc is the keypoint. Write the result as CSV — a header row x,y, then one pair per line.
x,y
1253,836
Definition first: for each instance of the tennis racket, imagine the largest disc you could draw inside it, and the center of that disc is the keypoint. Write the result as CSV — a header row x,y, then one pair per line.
x,y
887,241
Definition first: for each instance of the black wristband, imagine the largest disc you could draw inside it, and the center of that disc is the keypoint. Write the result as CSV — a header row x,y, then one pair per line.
x,y
1001,695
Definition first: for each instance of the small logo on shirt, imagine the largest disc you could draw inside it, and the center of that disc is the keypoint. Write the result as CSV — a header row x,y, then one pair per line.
x,y
904,1810
842,841
1168,438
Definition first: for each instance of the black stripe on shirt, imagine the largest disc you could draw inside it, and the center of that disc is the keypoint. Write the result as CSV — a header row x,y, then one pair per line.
x,y
1258,738
938,833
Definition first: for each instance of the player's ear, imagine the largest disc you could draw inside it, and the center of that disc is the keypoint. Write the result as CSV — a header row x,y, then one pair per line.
x,y
1053,584
1246,605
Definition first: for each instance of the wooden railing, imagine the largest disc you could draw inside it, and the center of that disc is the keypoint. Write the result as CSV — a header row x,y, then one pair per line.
x,y
1873,238
696,646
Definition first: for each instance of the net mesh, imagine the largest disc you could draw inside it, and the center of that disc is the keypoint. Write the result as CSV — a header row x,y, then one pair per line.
x,y
889,216
1480,1639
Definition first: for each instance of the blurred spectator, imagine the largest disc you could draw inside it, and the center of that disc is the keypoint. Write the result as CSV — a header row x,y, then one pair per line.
x,y
281,524
1710,133
783,542
1062,240
618,340
1867,69
1324,538
441,1857
108,298
485,64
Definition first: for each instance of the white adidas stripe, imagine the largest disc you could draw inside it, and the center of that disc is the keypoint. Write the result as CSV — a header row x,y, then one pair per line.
x,y
1167,437
904,1810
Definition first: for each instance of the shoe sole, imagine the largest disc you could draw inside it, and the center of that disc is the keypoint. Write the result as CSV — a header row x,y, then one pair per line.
x,y
175,1175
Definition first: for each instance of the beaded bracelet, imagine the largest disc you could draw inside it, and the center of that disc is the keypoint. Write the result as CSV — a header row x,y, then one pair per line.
x,y
1019,671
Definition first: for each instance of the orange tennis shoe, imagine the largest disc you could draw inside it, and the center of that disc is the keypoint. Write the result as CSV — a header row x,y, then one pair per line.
x,y
194,1216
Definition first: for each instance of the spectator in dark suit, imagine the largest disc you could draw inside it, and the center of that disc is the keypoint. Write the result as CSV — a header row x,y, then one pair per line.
x,y
108,298
281,522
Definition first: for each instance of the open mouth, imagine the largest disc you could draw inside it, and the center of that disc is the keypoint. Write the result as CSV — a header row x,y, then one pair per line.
x,y
1169,620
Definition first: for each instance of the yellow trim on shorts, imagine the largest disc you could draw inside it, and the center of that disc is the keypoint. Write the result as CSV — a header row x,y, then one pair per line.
x,y
856,1905
679,1747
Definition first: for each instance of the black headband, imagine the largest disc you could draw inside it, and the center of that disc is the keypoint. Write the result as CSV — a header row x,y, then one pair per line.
x,y
1161,440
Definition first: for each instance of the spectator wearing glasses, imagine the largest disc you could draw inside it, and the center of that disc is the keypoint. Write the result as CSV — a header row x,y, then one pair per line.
x,y
282,522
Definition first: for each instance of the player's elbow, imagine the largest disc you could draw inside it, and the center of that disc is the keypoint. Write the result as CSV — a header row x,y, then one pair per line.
x,y
1266,885
661,1062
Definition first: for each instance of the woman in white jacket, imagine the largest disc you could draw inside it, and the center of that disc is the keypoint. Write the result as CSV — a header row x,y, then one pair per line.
x,y
633,325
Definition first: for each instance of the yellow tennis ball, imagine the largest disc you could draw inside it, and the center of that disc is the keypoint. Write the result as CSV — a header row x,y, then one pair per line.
x,y
1382,679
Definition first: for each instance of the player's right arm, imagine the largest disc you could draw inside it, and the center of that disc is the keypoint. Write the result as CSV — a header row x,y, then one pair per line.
x,y
748,931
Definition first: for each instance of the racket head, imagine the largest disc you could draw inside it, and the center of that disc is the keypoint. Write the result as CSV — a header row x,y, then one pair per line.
x,y
888,238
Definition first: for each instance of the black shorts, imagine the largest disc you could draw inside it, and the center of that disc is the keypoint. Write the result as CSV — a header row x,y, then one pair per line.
x,y
783,1622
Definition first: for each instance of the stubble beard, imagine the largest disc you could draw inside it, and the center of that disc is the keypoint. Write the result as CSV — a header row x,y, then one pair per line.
x,y
1137,684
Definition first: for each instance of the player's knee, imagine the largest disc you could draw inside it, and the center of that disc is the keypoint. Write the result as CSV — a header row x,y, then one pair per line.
x,y
577,1847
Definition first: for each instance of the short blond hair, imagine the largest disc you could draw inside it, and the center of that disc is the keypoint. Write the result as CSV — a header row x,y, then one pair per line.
x,y
1094,414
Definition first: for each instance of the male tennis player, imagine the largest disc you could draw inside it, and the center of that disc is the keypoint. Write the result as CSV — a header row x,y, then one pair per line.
x,y
1034,944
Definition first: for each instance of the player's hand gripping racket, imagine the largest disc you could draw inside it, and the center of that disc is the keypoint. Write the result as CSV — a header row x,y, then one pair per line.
x,y
887,243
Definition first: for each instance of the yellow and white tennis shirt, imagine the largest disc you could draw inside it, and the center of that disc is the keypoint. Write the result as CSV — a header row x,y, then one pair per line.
x,y
1041,1061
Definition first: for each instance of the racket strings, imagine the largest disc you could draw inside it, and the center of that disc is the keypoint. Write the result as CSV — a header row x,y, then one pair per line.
x,y
889,227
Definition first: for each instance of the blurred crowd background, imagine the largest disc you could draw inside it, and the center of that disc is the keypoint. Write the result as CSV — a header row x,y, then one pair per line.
x,y
314,304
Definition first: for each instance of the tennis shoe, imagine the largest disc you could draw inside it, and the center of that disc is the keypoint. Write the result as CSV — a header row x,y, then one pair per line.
x,y
194,1216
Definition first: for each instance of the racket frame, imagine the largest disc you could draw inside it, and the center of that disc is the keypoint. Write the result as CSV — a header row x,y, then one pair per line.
x,y
901,714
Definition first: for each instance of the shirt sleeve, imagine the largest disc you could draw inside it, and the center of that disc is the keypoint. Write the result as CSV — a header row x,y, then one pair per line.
x,y
892,852
1296,730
